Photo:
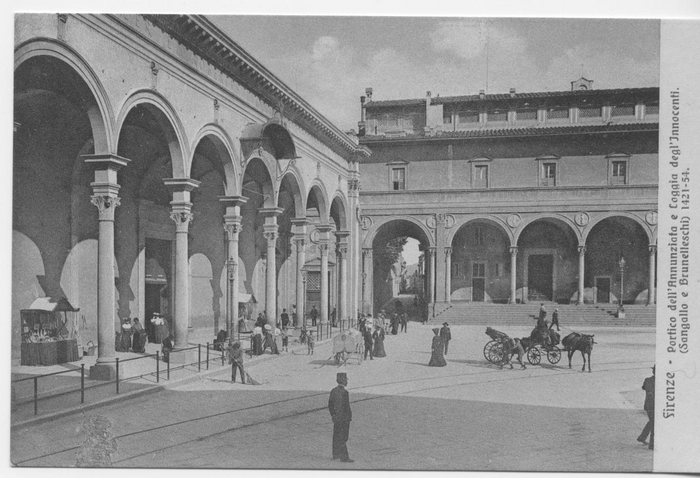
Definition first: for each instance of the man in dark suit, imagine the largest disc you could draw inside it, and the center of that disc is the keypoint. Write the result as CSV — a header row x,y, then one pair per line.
x,y
446,335
369,343
339,406
648,387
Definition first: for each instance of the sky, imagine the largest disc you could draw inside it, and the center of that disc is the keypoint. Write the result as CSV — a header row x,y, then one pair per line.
x,y
330,61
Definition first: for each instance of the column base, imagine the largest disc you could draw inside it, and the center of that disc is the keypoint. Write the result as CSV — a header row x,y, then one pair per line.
x,y
103,371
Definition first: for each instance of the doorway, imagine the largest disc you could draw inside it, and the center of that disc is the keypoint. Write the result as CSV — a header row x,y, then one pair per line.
x,y
540,270
478,281
602,286
158,282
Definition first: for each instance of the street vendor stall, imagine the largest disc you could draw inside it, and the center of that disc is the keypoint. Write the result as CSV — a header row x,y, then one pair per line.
x,y
46,338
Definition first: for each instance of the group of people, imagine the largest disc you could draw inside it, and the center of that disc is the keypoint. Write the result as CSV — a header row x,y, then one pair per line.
x,y
132,337
373,337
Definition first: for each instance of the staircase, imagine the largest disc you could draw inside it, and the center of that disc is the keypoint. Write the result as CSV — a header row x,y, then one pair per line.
x,y
592,315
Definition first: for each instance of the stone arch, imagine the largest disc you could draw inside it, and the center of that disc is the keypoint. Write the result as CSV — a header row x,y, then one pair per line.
x,y
339,207
169,123
101,115
495,220
558,218
295,182
259,165
272,136
318,190
651,236
224,146
374,229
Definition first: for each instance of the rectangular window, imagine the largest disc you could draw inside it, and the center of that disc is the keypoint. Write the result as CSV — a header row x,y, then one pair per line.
x,y
558,113
481,176
498,269
623,111
549,174
497,116
398,179
589,112
651,110
526,115
446,116
468,116
619,172
455,269
478,236
478,269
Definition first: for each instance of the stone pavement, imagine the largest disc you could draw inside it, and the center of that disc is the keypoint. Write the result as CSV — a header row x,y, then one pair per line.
x,y
467,416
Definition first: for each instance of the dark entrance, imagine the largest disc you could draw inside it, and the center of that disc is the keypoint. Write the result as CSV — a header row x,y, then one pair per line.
x,y
602,285
158,280
539,276
478,281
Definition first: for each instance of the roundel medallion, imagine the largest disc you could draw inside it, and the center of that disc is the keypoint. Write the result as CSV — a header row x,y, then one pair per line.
x,y
652,217
513,220
581,218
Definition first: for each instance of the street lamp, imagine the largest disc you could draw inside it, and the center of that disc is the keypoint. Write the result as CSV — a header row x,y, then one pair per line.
x,y
620,307
232,314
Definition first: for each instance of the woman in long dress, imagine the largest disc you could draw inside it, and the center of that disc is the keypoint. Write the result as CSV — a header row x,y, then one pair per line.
x,y
378,337
126,335
437,359
138,342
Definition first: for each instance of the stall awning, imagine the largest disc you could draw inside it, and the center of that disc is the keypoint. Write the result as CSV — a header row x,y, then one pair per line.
x,y
50,304
244,298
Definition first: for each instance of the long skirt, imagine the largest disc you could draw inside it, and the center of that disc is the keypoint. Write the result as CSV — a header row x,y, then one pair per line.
x,y
125,341
138,342
257,345
379,348
162,333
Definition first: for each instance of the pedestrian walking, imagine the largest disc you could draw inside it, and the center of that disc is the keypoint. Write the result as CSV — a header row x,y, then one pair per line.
x,y
284,318
314,316
285,339
404,322
446,335
367,335
555,319
339,406
333,317
543,312
648,387
235,358
437,359
310,342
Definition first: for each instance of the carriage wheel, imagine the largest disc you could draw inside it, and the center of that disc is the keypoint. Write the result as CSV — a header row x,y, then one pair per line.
x,y
496,353
554,355
534,356
487,350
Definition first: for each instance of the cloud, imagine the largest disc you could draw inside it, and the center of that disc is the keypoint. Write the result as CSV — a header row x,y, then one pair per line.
x,y
463,38
325,47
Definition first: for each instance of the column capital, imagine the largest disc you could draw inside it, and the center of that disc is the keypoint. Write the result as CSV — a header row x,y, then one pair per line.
x,y
366,252
448,251
232,229
300,241
323,246
432,251
513,250
342,250
182,215
652,248
106,204
582,250
271,233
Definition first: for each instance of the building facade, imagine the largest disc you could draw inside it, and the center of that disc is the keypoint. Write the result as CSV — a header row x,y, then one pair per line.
x,y
158,167
516,197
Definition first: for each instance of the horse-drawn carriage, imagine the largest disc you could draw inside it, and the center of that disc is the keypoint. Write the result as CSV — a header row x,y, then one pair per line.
x,y
348,345
534,346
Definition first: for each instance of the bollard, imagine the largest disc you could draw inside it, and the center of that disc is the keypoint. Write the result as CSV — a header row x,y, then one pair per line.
x,y
207,355
168,362
36,394
82,383
157,366
199,357
117,375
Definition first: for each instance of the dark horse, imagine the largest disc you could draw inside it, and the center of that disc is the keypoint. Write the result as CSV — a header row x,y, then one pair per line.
x,y
582,342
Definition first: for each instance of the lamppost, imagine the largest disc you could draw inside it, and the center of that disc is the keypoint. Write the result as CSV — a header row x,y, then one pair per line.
x,y
620,307
302,319
232,315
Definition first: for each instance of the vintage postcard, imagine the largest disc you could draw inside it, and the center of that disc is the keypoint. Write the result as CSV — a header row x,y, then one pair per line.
x,y
436,242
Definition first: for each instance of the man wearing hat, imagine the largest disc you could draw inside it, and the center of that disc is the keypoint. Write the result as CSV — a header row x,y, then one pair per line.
x,y
555,319
339,406
446,335
648,387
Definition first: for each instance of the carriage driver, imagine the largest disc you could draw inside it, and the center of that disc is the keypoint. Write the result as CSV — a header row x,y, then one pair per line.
x,y
510,347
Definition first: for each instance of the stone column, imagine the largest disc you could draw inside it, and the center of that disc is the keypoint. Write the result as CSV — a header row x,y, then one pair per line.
x,y
367,281
232,228
271,233
105,197
581,273
513,273
323,247
342,255
651,299
448,273
181,214
431,293
300,241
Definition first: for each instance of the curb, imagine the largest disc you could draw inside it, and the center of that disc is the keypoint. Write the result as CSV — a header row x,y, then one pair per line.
x,y
138,393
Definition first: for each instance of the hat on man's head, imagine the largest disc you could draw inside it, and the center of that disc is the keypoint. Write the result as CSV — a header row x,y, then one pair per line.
x,y
341,377
445,324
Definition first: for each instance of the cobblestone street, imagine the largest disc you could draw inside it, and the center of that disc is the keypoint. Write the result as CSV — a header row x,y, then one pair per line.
x,y
467,416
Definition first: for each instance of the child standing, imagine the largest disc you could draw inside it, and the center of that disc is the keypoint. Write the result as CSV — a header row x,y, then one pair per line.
x,y
285,339
310,343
